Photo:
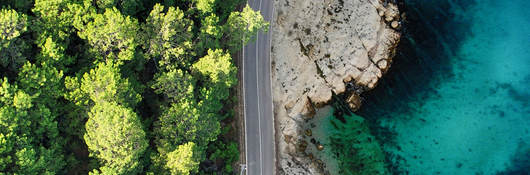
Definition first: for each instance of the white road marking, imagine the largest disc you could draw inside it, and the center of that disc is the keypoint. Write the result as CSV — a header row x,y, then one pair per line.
x,y
244,104
257,93
258,98
259,111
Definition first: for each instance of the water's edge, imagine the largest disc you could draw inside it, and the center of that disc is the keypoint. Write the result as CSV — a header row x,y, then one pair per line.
x,y
444,54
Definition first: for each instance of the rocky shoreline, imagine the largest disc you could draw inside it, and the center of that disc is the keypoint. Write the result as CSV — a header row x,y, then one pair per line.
x,y
321,48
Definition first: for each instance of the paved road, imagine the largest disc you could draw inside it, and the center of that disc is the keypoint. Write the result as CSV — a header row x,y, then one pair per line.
x,y
259,125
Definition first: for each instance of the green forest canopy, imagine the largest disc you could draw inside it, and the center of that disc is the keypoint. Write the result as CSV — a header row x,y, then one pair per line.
x,y
120,86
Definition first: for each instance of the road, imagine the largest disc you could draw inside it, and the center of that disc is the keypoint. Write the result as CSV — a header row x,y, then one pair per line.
x,y
259,116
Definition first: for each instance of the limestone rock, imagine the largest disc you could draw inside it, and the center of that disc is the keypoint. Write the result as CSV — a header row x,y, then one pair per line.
x,y
354,101
318,47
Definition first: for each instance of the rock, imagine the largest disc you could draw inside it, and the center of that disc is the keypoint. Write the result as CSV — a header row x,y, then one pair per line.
x,y
308,132
335,42
383,64
287,138
354,101
395,24
309,109
320,147
389,18
310,156
302,146
392,12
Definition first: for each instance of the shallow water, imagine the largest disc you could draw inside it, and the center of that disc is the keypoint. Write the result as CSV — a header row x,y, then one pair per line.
x,y
457,99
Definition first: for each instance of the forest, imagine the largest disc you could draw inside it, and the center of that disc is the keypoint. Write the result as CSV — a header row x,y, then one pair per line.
x,y
121,86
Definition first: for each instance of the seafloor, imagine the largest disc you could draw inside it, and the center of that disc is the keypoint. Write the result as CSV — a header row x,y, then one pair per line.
x,y
457,98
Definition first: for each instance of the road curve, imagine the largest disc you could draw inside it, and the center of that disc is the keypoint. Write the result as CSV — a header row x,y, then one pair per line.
x,y
259,117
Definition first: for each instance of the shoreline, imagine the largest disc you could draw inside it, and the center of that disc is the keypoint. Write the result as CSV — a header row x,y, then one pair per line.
x,y
312,61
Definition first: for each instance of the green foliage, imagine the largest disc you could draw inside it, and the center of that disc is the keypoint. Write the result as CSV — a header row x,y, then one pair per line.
x,y
210,34
111,35
103,4
224,7
102,84
127,7
44,81
205,6
218,66
12,47
53,20
183,122
29,137
13,24
115,136
53,53
242,27
184,160
77,102
228,152
222,75
176,85
19,5
167,36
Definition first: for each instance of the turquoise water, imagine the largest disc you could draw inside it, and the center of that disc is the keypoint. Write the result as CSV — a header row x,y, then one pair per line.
x,y
457,99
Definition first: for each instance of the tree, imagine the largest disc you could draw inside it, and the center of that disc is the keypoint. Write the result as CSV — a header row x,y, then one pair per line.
x,y
228,152
115,136
167,36
242,27
102,84
104,4
183,56
209,35
12,47
128,7
218,67
53,20
185,159
225,7
205,6
111,35
44,81
53,54
221,73
29,137
183,122
175,84
20,5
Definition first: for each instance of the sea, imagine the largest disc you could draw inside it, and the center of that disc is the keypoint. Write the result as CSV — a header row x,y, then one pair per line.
x,y
457,97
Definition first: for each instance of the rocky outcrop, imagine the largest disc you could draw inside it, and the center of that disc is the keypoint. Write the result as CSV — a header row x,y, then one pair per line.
x,y
320,48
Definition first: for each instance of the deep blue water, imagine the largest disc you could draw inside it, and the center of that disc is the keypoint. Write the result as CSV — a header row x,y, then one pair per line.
x,y
457,98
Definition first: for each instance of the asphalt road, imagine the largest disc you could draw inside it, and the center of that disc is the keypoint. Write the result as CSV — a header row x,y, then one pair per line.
x,y
259,116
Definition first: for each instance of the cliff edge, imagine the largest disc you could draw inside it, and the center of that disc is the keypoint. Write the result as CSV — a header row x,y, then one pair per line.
x,y
320,48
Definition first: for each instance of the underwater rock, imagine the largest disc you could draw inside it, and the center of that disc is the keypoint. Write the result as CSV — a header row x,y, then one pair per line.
x,y
308,132
302,146
354,101
320,147
356,148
